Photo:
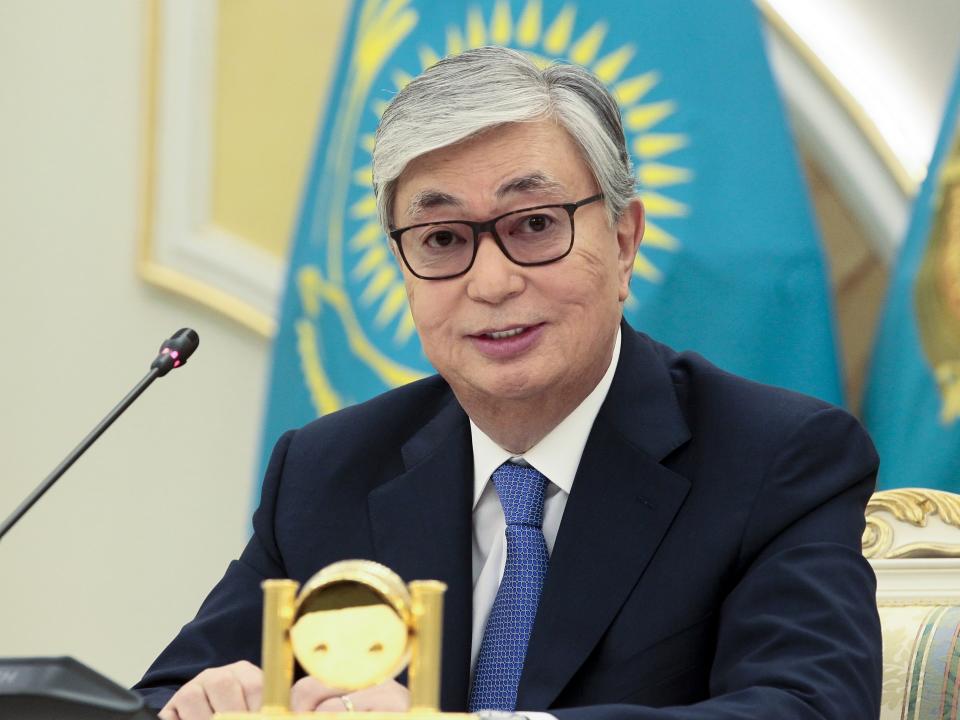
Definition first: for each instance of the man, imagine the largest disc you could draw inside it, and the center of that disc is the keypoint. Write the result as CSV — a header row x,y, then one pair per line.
x,y
626,532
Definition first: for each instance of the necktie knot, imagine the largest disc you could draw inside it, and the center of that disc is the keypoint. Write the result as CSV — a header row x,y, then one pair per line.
x,y
521,489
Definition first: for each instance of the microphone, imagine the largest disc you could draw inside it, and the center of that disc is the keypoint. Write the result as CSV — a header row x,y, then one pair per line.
x,y
173,353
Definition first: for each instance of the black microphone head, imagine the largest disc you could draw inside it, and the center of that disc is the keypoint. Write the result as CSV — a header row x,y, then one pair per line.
x,y
175,351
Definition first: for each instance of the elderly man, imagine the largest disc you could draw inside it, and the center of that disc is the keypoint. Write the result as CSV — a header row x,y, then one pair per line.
x,y
626,532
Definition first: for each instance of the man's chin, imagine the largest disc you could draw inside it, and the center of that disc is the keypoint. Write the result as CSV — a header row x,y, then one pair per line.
x,y
505,386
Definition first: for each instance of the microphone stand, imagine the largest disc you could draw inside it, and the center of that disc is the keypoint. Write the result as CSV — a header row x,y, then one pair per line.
x,y
78,451
173,353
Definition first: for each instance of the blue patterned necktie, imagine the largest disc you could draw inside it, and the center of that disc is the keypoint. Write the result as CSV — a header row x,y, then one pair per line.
x,y
504,645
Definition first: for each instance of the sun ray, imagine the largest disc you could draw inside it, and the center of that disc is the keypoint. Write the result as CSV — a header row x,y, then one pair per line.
x,y
367,141
382,280
398,5
379,106
392,23
405,328
367,13
659,175
646,269
454,41
655,236
654,145
363,176
476,32
374,257
501,25
584,50
658,205
364,207
391,306
611,67
370,234
529,25
390,9
558,34
401,79
632,89
428,57
645,116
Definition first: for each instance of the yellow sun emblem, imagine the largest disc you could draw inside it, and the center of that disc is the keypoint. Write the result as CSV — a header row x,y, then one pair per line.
x,y
544,41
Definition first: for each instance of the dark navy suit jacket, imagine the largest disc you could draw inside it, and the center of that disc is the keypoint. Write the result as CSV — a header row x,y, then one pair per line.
x,y
708,563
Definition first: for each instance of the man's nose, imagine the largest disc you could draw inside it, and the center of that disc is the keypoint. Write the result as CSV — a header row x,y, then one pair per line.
x,y
493,277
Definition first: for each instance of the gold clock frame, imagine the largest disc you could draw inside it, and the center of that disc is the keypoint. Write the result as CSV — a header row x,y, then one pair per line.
x,y
418,604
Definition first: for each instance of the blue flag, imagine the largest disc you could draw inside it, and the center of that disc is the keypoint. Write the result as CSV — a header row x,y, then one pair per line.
x,y
730,266
912,406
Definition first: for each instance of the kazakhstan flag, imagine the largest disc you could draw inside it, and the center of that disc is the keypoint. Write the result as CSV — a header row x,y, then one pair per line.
x,y
730,265
912,406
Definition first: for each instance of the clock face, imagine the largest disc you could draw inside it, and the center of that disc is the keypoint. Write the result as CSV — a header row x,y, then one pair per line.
x,y
349,638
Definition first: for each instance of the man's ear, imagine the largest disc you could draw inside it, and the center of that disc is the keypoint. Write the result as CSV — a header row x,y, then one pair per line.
x,y
629,235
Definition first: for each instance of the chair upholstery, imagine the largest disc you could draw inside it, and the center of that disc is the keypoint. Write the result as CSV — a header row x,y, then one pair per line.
x,y
912,539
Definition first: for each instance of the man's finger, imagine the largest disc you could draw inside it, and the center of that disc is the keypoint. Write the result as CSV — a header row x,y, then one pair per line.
x,y
224,691
190,702
250,678
168,713
389,696
334,704
308,694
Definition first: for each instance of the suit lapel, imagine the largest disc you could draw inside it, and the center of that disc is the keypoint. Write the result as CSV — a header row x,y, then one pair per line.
x,y
622,503
421,524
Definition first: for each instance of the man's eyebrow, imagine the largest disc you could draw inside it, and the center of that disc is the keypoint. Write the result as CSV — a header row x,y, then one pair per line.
x,y
535,182
429,199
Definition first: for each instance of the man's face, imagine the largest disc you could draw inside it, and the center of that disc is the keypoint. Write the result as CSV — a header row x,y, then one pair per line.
x,y
566,312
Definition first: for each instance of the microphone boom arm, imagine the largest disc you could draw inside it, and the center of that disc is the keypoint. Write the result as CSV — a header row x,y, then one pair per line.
x,y
173,353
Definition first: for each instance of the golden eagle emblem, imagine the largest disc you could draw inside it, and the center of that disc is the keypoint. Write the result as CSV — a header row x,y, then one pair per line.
x,y
937,290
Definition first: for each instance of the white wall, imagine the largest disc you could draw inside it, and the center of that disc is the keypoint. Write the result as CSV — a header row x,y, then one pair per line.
x,y
120,553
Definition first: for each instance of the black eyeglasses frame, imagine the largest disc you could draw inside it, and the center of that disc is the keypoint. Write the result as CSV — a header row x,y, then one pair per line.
x,y
489,226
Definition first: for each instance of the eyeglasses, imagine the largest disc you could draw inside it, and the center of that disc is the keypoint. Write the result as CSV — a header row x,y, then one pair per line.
x,y
532,236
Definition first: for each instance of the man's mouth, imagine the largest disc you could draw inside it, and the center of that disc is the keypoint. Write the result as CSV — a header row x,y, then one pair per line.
x,y
500,334
509,342
511,331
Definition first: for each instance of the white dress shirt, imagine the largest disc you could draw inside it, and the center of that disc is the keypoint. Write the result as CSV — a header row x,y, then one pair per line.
x,y
557,457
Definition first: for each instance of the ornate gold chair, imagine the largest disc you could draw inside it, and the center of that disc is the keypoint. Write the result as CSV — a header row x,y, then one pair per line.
x,y
912,539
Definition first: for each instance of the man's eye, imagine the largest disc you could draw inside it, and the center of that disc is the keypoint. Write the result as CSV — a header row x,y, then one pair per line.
x,y
376,647
440,239
534,223
322,647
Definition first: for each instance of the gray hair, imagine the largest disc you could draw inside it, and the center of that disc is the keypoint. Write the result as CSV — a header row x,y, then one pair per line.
x,y
462,96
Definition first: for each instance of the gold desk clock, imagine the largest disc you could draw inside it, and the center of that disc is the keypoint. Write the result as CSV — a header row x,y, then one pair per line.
x,y
354,624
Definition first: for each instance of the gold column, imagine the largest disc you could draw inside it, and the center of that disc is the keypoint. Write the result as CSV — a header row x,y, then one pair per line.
x,y
424,671
277,654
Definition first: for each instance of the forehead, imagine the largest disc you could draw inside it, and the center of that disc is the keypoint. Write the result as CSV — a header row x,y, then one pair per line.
x,y
481,173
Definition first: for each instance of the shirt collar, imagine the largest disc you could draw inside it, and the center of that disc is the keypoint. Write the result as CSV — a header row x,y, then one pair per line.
x,y
558,454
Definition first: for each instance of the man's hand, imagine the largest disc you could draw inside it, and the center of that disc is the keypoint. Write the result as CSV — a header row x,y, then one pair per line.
x,y
308,695
230,688
239,687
